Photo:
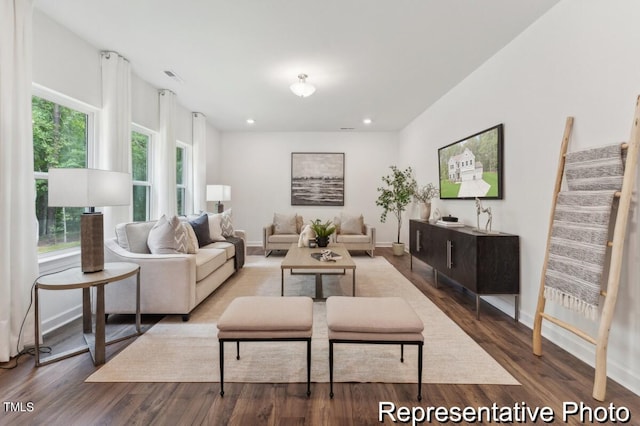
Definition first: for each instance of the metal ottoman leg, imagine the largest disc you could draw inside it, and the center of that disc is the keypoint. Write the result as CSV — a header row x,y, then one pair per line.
x,y
221,367
420,345
330,368
309,367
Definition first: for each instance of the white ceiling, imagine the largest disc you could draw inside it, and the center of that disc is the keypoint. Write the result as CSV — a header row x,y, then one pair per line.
x,y
386,60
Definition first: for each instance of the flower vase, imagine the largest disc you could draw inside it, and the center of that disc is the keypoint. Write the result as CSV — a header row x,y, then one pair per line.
x,y
425,211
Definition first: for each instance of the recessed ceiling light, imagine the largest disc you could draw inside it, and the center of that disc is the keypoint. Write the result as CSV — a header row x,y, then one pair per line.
x,y
367,121
251,121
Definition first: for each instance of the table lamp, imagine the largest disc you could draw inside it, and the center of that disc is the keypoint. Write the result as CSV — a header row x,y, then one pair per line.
x,y
89,188
219,193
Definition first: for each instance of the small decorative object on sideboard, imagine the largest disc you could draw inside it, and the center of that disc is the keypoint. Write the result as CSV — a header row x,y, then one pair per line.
x,y
450,222
436,216
424,195
479,211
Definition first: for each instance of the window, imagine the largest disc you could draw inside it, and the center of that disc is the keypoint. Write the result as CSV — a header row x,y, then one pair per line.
x,y
181,180
141,170
61,137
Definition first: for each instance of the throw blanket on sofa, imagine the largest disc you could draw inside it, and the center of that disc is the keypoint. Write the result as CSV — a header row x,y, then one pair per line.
x,y
239,257
580,229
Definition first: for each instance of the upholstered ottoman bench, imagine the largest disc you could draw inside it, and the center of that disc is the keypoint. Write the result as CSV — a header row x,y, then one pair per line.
x,y
263,318
374,320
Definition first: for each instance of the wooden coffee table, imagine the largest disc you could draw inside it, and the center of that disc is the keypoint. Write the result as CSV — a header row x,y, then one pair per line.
x,y
299,258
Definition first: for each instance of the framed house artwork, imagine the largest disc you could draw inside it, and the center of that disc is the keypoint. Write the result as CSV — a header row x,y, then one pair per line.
x,y
317,178
472,167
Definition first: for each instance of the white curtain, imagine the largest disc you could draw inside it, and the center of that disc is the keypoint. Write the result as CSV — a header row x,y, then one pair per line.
x,y
165,164
113,151
199,162
18,225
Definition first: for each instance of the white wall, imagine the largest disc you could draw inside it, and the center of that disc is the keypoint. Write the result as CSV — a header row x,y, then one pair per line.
x,y
258,168
144,104
580,59
65,63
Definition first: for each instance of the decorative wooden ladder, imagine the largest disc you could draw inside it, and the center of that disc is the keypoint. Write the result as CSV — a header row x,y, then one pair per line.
x,y
616,246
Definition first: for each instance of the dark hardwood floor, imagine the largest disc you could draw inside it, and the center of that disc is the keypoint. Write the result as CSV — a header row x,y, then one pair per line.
x,y
57,394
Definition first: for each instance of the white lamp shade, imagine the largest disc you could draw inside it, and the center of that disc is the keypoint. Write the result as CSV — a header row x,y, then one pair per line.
x,y
88,188
302,89
218,193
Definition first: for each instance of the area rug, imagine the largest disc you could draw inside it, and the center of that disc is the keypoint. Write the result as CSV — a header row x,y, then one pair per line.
x,y
177,351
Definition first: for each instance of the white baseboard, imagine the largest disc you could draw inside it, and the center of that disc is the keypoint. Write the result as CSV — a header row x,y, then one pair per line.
x,y
585,352
50,324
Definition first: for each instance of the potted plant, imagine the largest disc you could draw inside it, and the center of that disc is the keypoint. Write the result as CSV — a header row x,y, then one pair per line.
x,y
424,195
323,231
395,195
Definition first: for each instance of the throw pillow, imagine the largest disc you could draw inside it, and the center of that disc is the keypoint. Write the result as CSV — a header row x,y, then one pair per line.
x,y
351,224
167,236
284,223
299,224
200,226
336,223
192,240
215,227
226,224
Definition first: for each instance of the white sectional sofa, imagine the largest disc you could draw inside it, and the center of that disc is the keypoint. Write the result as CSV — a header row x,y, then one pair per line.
x,y
169,283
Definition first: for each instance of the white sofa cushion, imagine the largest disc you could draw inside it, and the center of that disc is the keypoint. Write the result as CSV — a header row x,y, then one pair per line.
x,y
353,239
208,260
229,248
132,236
283,238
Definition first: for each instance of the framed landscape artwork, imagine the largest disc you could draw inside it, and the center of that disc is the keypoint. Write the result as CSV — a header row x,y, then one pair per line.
x,y
317,179
472,167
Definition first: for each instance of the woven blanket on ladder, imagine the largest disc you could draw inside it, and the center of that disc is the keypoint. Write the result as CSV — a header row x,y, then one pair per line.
x,y
580,230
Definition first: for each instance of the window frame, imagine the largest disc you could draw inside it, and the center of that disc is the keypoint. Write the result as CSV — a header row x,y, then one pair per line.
x,y
186,178
151,135
93,116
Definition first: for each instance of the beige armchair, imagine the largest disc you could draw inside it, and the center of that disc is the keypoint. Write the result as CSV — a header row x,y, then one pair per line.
x,y
355,234
282,232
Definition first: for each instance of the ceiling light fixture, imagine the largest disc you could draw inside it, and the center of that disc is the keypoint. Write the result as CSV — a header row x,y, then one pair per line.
x,y
302,88
367,121
251,121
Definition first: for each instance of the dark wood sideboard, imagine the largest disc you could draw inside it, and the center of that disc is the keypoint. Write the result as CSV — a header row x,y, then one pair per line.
x,y
485,264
